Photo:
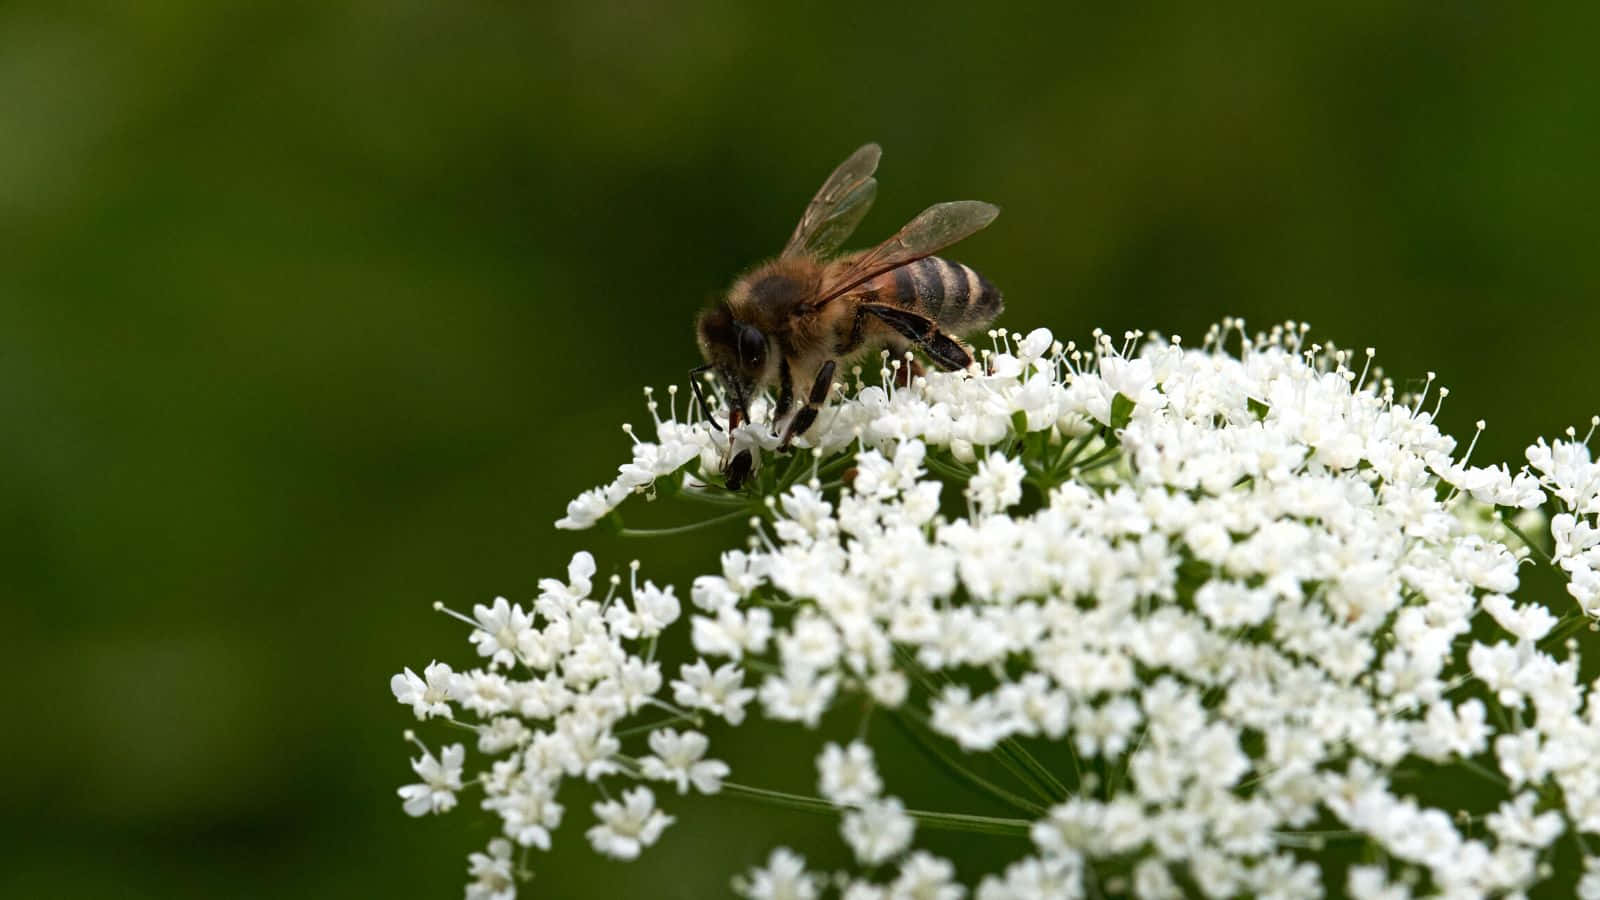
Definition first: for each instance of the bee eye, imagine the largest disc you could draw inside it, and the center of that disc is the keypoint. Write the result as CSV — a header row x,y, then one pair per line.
x,y
752,347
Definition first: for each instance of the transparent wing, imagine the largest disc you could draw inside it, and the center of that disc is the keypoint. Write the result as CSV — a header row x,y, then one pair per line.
x,y
935,228
838,207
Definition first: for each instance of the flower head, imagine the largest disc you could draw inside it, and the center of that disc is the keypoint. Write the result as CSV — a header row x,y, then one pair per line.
x,y
1243,594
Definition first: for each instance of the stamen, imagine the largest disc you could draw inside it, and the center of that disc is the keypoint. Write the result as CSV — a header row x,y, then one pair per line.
x,y
441,608
760,534
411,736
1465,457
1424,395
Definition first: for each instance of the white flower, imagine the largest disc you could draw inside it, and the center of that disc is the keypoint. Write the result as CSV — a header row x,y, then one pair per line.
x,y
501,734
1036,343
1229,604
998,484
883,478
588,508
1516,822
502,628
626,828
733,633
653,610
527,806
426,698
1036,878
678,759
1526,621
924,876
441,778
721,692
847,775
491,873
483,692
878,831
580,581
798,694
784,877
1372,883
1589,884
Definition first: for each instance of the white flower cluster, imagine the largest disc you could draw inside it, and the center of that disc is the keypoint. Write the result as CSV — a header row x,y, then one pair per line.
x,y
1222,613
559,682
1572,477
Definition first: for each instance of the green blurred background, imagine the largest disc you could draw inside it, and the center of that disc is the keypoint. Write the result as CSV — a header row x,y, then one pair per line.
x,y
315,313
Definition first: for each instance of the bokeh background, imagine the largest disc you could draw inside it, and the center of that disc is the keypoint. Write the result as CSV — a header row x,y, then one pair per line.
x,y
315,313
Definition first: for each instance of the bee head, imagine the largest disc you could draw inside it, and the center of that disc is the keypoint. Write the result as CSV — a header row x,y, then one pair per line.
x,y
737,352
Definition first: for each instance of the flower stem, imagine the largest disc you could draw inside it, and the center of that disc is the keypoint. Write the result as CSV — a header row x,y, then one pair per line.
x,y
682,529
946,469
1017,770
1569,625
926,818
1527,541
1479,769
945,761
652,726
1038,770
715,499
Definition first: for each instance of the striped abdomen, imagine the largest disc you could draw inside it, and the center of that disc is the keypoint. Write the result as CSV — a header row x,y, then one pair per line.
x,y
951,294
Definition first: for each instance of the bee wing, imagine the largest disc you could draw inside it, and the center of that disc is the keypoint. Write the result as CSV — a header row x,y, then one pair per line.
x,y
932,230
838,207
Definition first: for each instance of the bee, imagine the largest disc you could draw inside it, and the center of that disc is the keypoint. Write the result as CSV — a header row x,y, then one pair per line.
x,y
791,322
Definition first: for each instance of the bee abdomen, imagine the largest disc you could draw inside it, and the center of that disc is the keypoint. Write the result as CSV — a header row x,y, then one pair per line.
x,y
951,294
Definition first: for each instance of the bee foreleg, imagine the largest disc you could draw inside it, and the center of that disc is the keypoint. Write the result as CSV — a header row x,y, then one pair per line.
x,y
945,351
808,413
700,394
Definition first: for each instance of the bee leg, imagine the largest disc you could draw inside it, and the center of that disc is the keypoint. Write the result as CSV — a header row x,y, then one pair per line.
x,y
785,394
808,413
945,351
700,394
738,470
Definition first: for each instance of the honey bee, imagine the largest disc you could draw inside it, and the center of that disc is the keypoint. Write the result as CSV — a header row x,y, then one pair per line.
x,y
791,322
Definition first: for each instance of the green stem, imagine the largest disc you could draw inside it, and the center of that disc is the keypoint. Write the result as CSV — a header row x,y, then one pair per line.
x,y
945,469
1527,541
926,818
1070,452
838,464
1099,456
1479,769
1569,625
716,499
659,723
1097,464
1046,779
684,529
1310,839
1017,770
955,768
